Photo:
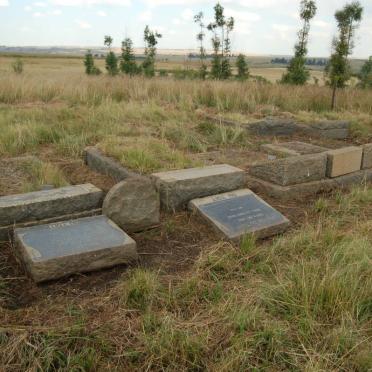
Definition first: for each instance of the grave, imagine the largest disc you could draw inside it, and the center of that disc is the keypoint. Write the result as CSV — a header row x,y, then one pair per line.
x,y
292,170
367,156
344,161
178,187
240,212
294,148
60,249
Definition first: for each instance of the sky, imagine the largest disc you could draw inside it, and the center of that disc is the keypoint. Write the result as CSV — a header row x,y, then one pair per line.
x,y
263,27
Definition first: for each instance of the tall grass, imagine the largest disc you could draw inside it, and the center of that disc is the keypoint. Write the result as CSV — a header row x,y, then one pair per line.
x,y
223,96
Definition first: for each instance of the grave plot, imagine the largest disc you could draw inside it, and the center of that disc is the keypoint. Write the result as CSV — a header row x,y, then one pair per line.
x,y
300,176
238,213
294,148
57,250
177,188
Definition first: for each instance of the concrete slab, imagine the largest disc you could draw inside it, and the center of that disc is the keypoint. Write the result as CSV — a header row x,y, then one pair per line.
x,y
238,213
57,250
344,161
178,187
41,205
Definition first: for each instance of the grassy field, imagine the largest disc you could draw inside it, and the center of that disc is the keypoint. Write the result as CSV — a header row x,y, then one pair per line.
x,y
299,302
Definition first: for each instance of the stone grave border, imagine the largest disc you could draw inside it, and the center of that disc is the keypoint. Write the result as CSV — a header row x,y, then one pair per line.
x,y
106,165
280,126
354,175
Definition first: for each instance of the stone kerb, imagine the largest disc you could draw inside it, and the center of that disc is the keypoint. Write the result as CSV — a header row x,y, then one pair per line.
x,y
178,187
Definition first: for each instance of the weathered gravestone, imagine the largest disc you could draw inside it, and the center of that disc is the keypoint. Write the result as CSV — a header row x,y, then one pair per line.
x,y
133,204
240,212
56,250
178,187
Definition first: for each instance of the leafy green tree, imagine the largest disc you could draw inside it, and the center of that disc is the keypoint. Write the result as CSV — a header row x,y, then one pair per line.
x,y
365,75
200,37
221,43
128,63
17,66
296,73
90,68
242,66
111,59
151,40
338,70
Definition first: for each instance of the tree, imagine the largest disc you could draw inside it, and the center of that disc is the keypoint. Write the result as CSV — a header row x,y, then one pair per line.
x,y
365,75
200,37
90,68
242,66
17,66
338,70
111,59
151,40
297,74
128,63
221,43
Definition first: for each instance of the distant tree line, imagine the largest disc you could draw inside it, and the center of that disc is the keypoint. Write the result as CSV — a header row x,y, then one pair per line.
x,y
308,61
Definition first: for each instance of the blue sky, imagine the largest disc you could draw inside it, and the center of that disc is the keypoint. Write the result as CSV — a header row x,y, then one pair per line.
x,y
262,26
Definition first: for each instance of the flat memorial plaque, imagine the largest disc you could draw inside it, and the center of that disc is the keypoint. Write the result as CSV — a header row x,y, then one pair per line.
x,y
240,212
59,249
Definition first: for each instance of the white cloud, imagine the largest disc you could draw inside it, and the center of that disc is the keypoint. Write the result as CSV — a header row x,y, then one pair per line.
x,y
145,16
83,24
321,24
4,3
187,14
40,4
27,8
242,16
101,13
90,2
38,14
56,12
